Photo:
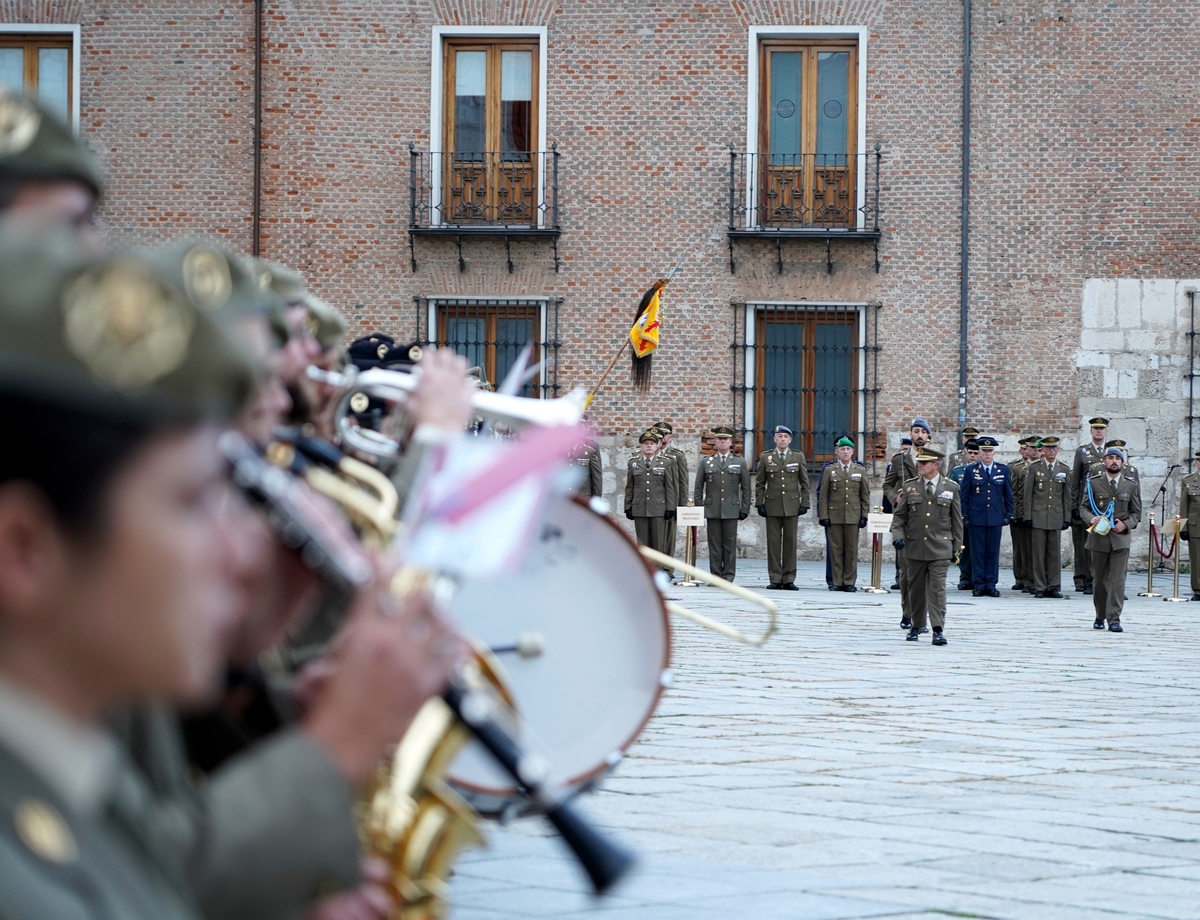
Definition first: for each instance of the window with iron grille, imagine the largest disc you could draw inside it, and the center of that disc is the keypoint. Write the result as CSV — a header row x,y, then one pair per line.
x,y
40,62
806,366
490,334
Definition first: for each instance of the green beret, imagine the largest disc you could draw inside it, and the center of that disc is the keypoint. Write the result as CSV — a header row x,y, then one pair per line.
x,y
844,442
111,337
35,145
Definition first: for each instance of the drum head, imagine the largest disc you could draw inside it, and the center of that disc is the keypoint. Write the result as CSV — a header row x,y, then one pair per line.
x,y
586,591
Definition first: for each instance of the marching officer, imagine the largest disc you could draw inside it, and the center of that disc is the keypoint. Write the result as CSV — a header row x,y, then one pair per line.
x,y
842,508
987,506
667,449
970,453
1189,511
1047,493
959,457
1085,456
586,456
782,496
928,527
1018,530
901,469
723,489
1111,497
651,492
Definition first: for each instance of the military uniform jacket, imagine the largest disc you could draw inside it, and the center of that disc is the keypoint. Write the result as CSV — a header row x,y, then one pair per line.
x,y
845,496
681,473
1016,471
1128,508
1189,503
1127,469
782,483
987,498
1085,456
723,486
1048,495
902,468
587,458
932,528
956,459
651,486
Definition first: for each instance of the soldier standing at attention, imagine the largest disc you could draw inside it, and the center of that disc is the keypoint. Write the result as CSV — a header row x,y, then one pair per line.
x,y
1048,507
1110,495
723,490
781,494
842,508
928,527
970,453
905,448
1128,469
650,492
1189,510
1018,530
586,456
903,468
987,506
959,457
667,449
1085,456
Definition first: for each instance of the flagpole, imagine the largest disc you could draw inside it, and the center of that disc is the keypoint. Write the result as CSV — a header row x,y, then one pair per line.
x,y
607,371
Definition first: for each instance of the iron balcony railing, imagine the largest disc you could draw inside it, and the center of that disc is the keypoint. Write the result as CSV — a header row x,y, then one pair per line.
x,y
510,192
804,193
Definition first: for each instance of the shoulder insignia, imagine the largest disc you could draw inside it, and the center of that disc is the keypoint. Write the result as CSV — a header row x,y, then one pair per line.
x,y
44,831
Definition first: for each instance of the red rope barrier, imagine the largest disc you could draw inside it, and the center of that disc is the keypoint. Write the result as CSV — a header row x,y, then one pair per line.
x,y
1154,535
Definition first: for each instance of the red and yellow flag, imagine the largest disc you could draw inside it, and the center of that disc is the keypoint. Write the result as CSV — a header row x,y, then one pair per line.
x,y
644,334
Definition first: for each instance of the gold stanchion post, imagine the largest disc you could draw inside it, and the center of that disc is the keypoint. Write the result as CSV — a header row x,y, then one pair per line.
x,y
689,554
876,557
1175,598
1149,592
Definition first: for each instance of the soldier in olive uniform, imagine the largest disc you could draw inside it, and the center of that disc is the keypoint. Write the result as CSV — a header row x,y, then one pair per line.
x,y
781,495
842,507
959,457
723,490
666,448
1085,456
651,492
1189,511
1047,493
1018,530
970,453
928,526
1128,469
586,456
901,469
1109,493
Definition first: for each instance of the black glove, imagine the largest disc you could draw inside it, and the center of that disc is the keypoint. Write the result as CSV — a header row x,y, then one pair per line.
x,y
862,522
803,510
1183,535
669,514
629,514
742,515
1066,526
824,522
1006,522
899,544
762,510
1075,515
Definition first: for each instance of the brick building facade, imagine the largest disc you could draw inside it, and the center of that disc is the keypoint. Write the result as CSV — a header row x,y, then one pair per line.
x,y
621,135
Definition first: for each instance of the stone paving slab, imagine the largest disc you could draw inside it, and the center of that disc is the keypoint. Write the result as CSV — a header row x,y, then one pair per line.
x,y
1034,769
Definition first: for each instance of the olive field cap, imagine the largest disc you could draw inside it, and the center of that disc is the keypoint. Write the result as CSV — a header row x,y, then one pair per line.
x,y
1116,442
722,431
111,337
929,455
35,145
1197,455
327,324
650,434
1098,422
665,427
970,432
1050,442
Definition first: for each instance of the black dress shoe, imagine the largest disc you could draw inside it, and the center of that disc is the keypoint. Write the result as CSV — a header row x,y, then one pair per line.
x,y
906,624
1115,627
912,636
835,588
1055,593
938,638
1039,594
965,586
1017,586
924,629
790,586
977,592
992,592
896,587
1028,589
773,587
1099,624
849,589
1087,590
1196,597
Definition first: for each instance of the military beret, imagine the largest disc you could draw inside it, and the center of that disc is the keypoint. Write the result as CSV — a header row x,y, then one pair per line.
x,y
972,444
921,423
1116,451
844,442
987,442
722,431
650,434
1116,442
970,432
1098,422
112,337
907,441
1049,442
929,455
37,146
664,426
782,429
378,350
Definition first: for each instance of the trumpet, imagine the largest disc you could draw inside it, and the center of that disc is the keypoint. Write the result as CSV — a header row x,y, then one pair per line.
x,y
395,387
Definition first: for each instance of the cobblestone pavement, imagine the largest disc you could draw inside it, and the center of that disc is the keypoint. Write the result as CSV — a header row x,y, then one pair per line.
x,y
1033,769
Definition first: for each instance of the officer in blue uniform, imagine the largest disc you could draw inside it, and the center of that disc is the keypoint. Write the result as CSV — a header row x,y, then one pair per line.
x,y
969,454
987,502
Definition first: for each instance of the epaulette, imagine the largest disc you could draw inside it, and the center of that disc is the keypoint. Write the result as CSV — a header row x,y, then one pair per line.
x,y
1131,479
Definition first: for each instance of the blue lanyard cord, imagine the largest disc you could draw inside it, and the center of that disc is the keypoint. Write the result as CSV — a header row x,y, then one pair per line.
x,y
1109,512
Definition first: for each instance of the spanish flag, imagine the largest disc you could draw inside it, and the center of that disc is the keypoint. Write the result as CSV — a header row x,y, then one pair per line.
x,y
643,336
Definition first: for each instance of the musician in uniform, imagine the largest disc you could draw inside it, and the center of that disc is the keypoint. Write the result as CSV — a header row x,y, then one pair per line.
x,y
723,490
1047,492
901,469
1114,498
1189,511
781,495
966,577
1018,530
651,492
668,449
842,508
1085,456
927,527
987,506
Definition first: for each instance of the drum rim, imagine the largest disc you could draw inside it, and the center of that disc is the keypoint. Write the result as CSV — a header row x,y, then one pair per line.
x,y
659,689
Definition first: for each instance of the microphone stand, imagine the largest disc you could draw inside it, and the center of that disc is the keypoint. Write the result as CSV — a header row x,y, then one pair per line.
x,y
1162,495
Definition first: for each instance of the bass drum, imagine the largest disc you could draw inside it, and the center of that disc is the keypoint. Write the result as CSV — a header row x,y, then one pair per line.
x,y
585,591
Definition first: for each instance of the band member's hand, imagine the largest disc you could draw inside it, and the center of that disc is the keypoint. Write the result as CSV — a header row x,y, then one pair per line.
x,y
761,509
742,515
669,514
862,522
369,901
824,522
900,544
443,394
1092,521
803,510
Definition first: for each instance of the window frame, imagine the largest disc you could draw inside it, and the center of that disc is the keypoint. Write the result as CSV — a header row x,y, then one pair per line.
x,y
438,112
753,377
758,37
439,307
30,31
